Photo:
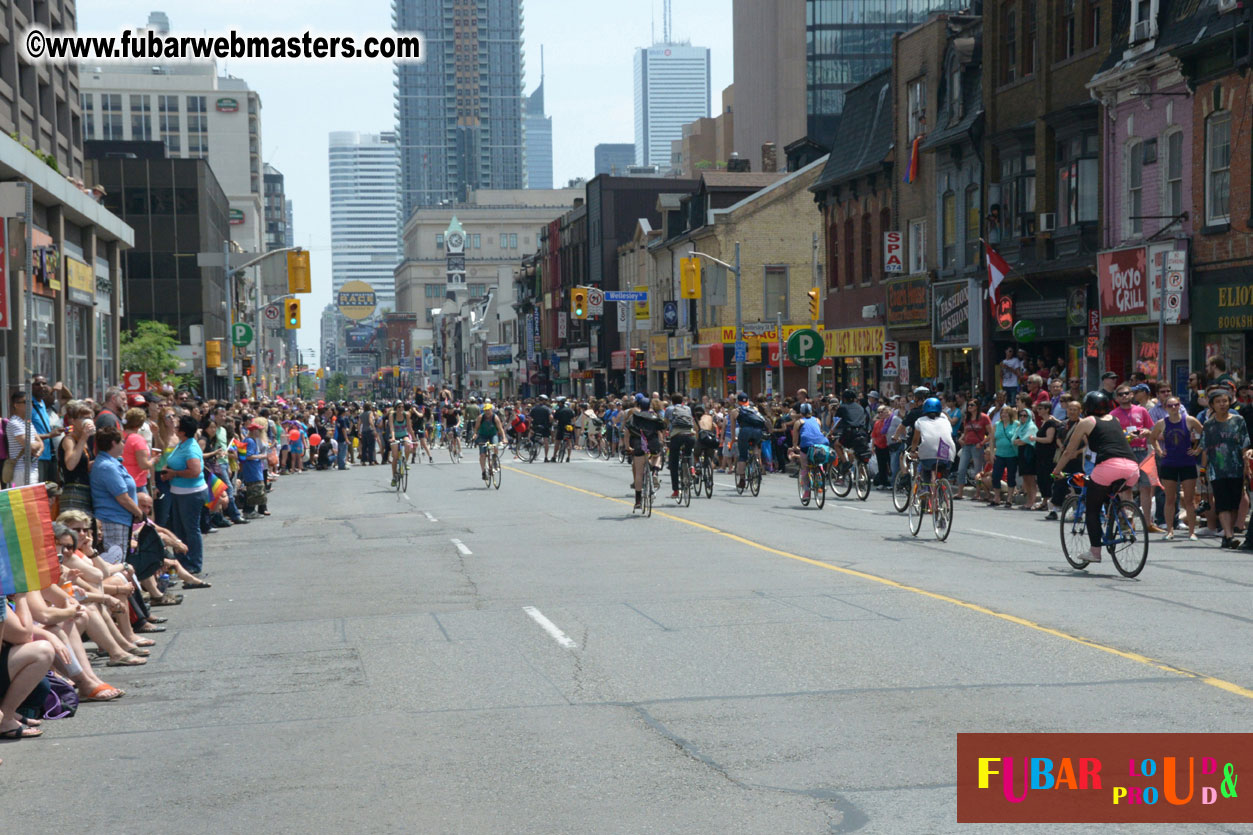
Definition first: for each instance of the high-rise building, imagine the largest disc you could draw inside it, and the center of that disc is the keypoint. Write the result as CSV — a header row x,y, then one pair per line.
x,y
459,112
671,89
275,208
290,236
539,140
793,62
614,158
365,212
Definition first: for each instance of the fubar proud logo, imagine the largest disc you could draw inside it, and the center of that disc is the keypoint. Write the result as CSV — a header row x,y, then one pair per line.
x,y
1103,778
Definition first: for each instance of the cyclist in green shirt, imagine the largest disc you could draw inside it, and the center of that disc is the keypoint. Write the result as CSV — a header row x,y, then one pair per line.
x,y
487,430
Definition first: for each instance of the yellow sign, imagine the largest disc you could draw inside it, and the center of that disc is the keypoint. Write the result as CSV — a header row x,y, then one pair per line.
x,y
81,280
853,342
356,300
641,308
726,335
926,359
658,351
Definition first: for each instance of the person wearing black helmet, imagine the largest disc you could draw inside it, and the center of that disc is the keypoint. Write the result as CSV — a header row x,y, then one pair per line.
x,y
746,425
851,428
542,422
1114,460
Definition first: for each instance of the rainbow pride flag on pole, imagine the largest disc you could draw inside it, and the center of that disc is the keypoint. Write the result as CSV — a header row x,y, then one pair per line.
x,y
28,551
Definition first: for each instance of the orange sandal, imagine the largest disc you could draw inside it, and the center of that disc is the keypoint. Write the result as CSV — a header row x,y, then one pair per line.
x,y
96,695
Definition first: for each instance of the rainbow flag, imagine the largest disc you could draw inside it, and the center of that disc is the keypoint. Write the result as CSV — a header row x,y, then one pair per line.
x,y
911,168
217,489
28,551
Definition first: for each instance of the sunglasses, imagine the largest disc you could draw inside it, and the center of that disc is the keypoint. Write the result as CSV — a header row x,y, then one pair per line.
x,y
1124,394
1172,405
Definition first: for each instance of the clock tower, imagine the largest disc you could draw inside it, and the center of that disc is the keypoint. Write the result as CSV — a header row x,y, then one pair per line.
x,y
455,249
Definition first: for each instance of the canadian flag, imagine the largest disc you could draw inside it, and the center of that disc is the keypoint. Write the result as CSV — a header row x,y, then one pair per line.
x,y
997,270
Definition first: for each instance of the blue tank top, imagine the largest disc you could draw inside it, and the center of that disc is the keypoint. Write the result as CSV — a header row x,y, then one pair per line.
x,y
811,433
1177,440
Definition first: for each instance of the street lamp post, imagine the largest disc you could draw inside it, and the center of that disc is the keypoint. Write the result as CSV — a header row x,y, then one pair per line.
x,y
739,313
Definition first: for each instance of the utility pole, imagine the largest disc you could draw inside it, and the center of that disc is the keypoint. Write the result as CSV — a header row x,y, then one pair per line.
x,y
739,312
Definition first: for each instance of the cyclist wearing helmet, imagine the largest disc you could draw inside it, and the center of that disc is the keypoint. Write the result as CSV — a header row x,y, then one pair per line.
x,y
1108,447
682,426
746,426
643,423
563,419
542,422
399,431
851,428
810,441
906,429
487,430
933,440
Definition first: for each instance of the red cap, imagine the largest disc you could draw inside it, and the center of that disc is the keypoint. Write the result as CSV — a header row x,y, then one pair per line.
x,y
135,400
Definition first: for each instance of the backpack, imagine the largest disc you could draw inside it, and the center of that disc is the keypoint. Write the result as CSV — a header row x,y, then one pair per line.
x,y
681,418
750,418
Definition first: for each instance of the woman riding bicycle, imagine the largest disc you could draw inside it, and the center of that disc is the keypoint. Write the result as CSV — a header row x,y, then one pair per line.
x,y
811,442
1114,461
399,431
643,425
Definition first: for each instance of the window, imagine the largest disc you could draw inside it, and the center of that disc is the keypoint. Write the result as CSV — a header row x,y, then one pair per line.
x,y
1173,197
948,254
43,343
1076,179
89,116
775,302
513,240
111,116
954,90
1218,168
141,118
848,252
867,249
478,291
439,240
1091,24
77,337
1135,188
104,351
918,246
1028,42
972,225
168,122
917,108
1009,61
478,241
833,258
433,291
1018,194
1066,40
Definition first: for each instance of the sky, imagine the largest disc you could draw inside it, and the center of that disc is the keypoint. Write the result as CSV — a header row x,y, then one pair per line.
x,y
588,53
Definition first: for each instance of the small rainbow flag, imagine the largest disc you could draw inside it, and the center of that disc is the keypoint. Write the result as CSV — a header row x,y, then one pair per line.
x,y
217,489
911,168
28,551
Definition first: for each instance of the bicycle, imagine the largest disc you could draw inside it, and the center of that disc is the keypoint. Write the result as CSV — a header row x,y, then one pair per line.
x,y
1124,533
527,448
454,446
564,445
402,469
817,484
650,483
902,485
594,442
493,466
687,475
705,475
752,471
938,496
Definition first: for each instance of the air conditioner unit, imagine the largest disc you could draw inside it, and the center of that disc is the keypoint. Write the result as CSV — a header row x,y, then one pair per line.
x,y
1144,31
1046,221
1225,6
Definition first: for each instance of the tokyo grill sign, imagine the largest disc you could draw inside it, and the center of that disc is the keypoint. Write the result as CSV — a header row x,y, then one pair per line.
x,y
1124,282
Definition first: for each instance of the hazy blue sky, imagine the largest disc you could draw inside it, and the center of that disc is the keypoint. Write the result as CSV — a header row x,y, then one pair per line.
x,y
588,49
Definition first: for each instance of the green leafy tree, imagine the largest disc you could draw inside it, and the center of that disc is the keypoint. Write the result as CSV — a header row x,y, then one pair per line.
x,y
337,386
306,385
150,348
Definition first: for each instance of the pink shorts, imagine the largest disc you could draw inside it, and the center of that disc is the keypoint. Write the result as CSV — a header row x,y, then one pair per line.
x,y
1107,472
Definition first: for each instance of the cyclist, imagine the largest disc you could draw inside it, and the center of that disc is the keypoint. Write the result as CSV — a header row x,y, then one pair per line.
x,y
487,431
643,425
418,416
519,426
682,425
810,441
706,434
542,422
851,427
399,430
933,441
563,418
1108,446
451,417
746,426
471,412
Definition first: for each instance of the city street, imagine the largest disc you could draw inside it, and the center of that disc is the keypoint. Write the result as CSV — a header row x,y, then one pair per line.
x,y
536,659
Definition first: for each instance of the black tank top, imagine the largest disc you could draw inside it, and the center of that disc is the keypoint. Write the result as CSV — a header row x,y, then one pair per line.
x,y
1106,440
78,475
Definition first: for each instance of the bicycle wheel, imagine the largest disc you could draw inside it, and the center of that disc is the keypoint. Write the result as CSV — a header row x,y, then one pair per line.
x,y
1074,533
818,487
901,489
590,447
754,476
841,478
942,509
800,491
404,476
685,483
861,480
1128,539
915,507
532,450
495,472
707,476
648,497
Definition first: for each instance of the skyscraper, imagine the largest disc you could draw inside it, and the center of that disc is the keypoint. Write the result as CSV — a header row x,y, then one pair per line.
x,y
459,112
275,208
614,157
671,89
365,212
539,140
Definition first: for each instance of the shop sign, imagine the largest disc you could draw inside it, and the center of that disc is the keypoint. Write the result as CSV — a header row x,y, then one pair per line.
x,y
854,342
956,323
80,280
907,302
904,370
236,217
356,300
1024,330
658,351
1077,307
641,308
227,105
1004,313
1094,334
755,333
1223,306
561,324
926,359
893,252
1123,278
891,357
499,354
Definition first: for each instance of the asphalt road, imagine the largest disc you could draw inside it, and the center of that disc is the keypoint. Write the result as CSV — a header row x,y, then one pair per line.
x,y
535,659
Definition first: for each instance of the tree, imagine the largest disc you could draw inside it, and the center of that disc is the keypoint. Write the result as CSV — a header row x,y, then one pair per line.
x,y
150,349
306,385
337,386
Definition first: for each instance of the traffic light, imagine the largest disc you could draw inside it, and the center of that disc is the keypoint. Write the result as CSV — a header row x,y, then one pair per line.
x,y
298,280
247,366
815,305
291,313
689,278
213,353
578,303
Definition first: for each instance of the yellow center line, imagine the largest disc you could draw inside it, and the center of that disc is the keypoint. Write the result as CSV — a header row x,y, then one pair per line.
x,y
1221,684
